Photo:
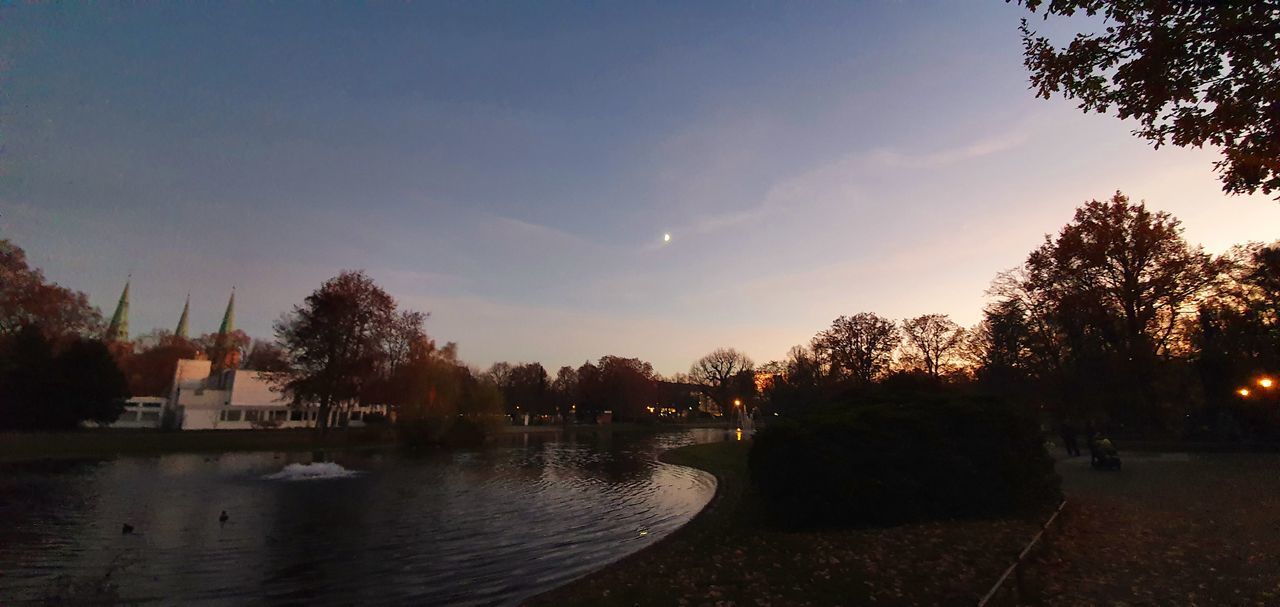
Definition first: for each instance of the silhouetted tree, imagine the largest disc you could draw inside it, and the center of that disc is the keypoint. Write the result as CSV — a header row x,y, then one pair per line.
x,y
564,389
798,382
625,386
725,375
931,342
1237,335
55,386
402,335
528,390
1102,302
335,342
499,373
858,347
999,348
1190,73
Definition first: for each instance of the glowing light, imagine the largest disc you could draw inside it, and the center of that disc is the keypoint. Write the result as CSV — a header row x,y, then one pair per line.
x,y
1243,391
737,402
1266,382
666,237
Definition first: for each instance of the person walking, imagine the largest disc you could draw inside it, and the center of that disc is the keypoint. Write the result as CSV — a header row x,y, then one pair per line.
x,y
1069,435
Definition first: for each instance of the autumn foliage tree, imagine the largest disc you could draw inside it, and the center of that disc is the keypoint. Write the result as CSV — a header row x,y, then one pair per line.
x,y
150,368
1190,74
27,299
1100,305
335,341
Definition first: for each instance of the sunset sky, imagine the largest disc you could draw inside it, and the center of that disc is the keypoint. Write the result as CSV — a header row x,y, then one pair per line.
x,y
512,169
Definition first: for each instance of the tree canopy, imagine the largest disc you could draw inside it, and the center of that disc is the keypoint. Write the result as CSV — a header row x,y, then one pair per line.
x,y
860,346
1191,73
725,375
336,341
27,298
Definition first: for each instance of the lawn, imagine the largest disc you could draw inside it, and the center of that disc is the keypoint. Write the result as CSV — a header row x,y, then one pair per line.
x,y
728,556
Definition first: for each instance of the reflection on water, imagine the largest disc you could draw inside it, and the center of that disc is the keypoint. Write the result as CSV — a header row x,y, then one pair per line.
x,y
471,528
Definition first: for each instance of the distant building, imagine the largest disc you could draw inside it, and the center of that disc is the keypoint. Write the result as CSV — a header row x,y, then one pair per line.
x,y
142,412
236,399
210,393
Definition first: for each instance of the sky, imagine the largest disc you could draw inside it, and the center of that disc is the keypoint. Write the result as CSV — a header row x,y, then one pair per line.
x,y
511,168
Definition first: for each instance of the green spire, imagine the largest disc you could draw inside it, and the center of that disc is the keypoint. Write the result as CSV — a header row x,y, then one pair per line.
x,y
181,331
229,317
118,330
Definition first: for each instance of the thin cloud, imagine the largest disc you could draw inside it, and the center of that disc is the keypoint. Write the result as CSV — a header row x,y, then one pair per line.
x,y
982,147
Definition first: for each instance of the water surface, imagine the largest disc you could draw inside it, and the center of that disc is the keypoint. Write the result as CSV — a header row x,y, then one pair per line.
x,y
481,527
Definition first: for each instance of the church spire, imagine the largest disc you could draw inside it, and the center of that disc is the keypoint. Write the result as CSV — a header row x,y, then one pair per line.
x,y
229,317
225,354
181,331
118,330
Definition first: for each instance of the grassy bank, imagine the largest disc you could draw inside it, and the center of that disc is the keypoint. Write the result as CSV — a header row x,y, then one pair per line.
x,y
727,555
110,443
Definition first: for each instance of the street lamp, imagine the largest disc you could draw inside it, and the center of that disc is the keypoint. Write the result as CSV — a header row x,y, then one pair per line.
x,y
1266,382
1243,392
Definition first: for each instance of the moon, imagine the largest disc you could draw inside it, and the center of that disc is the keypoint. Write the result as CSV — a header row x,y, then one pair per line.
x,y
666,237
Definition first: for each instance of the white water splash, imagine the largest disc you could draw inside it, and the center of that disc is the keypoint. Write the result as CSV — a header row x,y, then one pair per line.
x,y
311,472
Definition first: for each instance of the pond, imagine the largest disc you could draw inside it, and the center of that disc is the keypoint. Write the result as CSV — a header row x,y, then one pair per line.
x,y
483,527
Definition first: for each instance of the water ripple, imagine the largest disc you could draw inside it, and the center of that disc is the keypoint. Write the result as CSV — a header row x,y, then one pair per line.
x,y
485,527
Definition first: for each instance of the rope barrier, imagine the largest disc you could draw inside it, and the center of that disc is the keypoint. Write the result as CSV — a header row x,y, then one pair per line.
x,y
1021,556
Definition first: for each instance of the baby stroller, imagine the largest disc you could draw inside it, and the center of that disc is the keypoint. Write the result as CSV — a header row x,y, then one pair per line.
x,y
1103,454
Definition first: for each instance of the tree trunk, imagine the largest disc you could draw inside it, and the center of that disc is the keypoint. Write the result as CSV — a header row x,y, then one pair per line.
x,y
322,417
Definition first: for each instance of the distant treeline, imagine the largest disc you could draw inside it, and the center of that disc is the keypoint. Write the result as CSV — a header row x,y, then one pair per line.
x,y
1114,320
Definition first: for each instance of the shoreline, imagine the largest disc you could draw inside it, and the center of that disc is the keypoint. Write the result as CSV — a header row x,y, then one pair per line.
x,y
105,444
109,443
728,554
715,459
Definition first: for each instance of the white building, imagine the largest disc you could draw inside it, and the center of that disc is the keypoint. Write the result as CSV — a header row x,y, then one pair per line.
x,y
142,412
231,399
235,399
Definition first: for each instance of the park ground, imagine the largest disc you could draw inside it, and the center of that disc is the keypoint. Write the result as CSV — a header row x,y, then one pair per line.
x,y
1170,529
728,556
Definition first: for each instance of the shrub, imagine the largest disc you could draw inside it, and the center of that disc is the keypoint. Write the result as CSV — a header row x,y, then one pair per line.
x,y
455,431
889,463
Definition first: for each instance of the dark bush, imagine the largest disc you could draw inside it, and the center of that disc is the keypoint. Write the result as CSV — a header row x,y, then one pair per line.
x,y
465,432
889,463
440,431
